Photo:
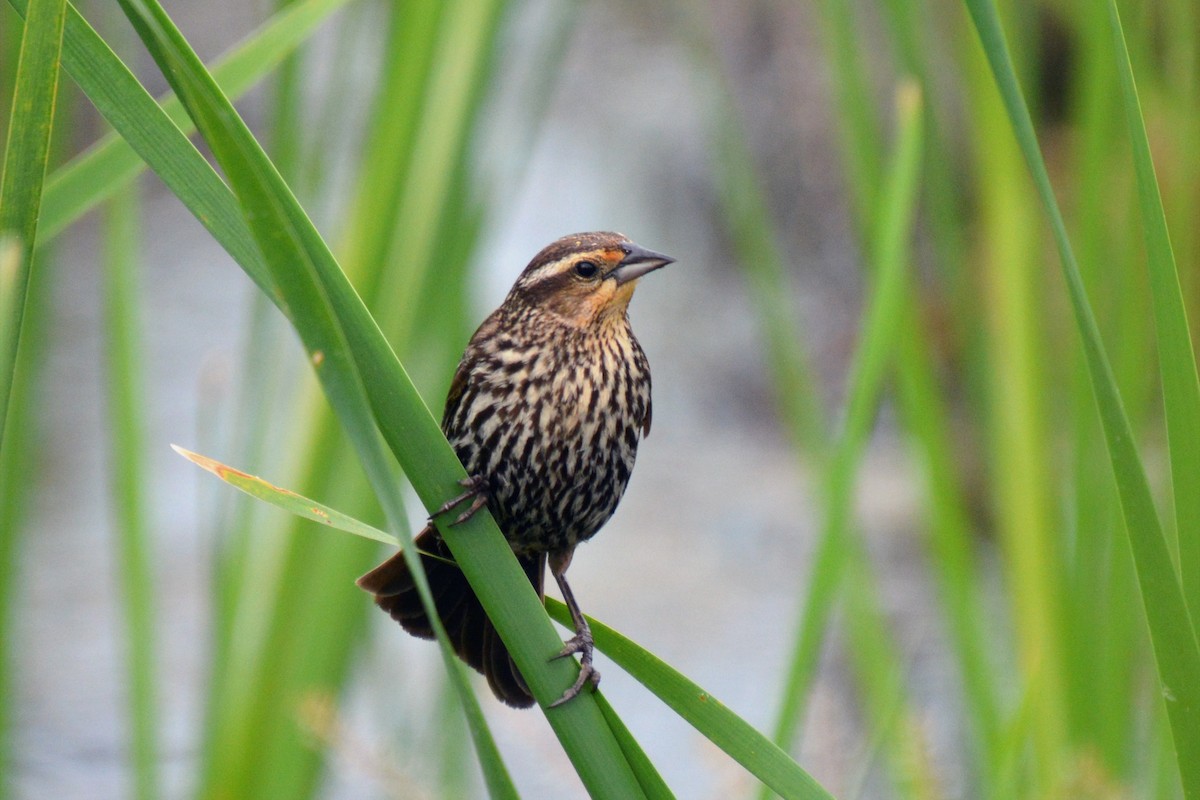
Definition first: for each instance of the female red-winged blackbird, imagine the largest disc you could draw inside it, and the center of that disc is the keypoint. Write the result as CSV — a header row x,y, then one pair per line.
x,y
545,412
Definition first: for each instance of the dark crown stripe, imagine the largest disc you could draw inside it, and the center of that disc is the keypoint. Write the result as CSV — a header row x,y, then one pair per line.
x,y
575,243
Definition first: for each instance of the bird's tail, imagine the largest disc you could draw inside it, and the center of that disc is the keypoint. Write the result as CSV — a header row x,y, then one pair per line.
x,y
471,633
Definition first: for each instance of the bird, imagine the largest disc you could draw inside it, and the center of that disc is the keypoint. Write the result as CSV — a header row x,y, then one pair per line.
x,y
545,411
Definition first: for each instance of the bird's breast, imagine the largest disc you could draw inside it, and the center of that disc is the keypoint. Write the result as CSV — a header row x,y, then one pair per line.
x,y
554,426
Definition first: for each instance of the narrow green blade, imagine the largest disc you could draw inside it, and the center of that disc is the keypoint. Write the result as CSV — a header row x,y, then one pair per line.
x,y
705,713
1177,361
341,339
129,481
285,499
1171,630
25,157
111,163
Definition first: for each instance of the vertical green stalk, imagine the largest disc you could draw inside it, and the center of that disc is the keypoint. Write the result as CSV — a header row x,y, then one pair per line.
x,y
837,550
1172,633
128,478
891,243
879,666
19,460
1102,646
287,104
409,50
422,42
464,51
762,260
859,126
925,412
26,154
1180,384
241,550
1020,470
14,458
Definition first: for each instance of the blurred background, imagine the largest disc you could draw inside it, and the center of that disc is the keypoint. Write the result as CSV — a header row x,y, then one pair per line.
x,y
978,632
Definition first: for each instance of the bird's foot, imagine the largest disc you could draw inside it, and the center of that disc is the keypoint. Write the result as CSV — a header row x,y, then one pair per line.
x,y
476,487
579,643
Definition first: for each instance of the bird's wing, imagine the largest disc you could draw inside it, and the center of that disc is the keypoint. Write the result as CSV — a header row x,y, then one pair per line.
x,y
454,396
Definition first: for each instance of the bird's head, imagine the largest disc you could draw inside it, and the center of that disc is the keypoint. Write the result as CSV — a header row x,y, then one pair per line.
x,y
585,279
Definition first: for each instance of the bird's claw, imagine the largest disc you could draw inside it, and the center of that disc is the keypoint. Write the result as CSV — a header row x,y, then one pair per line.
x,y
476,491
579,643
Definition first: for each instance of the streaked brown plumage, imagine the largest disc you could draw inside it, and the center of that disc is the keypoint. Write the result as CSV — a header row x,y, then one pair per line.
x,y
545,412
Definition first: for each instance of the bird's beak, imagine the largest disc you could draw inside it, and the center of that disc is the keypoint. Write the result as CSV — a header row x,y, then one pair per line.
x,y
636,263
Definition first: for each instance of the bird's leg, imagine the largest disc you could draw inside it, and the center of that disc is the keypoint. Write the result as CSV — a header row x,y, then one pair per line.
x,y
476,491
581,642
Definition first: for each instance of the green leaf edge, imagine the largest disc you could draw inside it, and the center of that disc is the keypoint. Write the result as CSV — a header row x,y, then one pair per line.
x,y
1171,631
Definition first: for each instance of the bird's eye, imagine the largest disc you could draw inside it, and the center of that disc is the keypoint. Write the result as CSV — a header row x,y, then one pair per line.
x,y
586,269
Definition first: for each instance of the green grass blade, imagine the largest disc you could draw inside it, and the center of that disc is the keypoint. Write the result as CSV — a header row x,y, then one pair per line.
x,y
1177,361
326,605
885,312
927,416
12,257
1171,630
388,149
705,713
922,407
745,212
87,180
406,195
140,120
279,229
879,666
651,782
861,154
26,154
130,109
312,286
1020,482
234,529
15,451
128,479
762,261
287,500
20,457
